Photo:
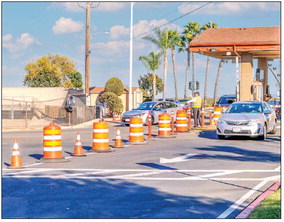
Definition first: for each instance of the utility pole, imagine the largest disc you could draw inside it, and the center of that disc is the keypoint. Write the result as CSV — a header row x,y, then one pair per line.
x,y
87,48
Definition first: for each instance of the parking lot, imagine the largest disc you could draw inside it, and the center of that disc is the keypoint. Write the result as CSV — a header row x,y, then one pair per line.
x,y
194,175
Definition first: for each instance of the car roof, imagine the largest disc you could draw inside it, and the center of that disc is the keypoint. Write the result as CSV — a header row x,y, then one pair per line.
x,y
248,102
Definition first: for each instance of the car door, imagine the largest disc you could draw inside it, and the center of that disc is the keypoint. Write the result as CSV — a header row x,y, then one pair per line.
x,y
270,119
157,112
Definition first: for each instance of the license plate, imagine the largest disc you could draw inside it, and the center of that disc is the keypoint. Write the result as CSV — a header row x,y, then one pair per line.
x,y
127,120
236,130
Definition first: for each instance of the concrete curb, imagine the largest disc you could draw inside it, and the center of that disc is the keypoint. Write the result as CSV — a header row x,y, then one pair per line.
x,y
247,211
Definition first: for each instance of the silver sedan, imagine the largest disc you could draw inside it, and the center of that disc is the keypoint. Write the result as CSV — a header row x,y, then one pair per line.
x,y
254,119
155,108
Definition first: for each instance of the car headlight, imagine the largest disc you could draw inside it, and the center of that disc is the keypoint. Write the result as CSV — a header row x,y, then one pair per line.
x,y
220,121
254,121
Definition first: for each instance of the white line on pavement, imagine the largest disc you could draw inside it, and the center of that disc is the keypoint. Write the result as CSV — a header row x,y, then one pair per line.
x,y
234,206
278,168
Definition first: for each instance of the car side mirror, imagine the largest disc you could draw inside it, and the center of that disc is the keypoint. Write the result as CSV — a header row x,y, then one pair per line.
x,y
266,112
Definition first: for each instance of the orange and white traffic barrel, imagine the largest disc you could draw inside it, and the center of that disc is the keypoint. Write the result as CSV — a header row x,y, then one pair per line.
x,y
136,131
217,113
100,137
16,161
52,144
181,121
164,128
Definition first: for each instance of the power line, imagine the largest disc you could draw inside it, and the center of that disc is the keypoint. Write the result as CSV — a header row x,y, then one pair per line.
x,y
140,36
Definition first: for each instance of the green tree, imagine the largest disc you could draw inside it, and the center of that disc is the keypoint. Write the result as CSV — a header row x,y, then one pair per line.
x,y
209,25
114,85
146,82
161,40
152,63
175,40
49,71
191,30
76,80
113,103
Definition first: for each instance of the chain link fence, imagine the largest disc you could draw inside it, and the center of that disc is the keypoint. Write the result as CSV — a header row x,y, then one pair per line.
x,y
28,112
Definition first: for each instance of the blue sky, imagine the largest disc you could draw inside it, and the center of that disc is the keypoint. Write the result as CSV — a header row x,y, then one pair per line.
x,y
31,30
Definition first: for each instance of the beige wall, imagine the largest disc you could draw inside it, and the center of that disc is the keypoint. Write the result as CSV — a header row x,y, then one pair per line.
x,y
42,94
262,64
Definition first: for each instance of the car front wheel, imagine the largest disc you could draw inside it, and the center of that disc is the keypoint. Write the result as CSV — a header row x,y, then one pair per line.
x,y
263,137
221,137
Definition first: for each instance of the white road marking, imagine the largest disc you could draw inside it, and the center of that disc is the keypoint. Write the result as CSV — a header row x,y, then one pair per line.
x,y
234,206
278,168
177,159
34,164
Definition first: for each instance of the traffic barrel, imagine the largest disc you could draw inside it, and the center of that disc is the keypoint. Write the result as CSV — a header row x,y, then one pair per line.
x,y
16,161
181,121
100,137
164,128
118,141
217,113
52,144
78,149
136,131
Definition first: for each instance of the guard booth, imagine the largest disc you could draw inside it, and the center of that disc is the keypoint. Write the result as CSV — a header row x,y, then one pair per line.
x,y
242,45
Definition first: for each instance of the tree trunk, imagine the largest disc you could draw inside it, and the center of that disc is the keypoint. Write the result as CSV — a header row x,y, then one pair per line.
x,y
206,79
154,86
186,75
174,72
165,74
193,75
217,80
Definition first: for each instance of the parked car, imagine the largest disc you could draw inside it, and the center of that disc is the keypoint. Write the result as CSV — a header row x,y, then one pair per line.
x,y
226,100
155,107
276,105
253,118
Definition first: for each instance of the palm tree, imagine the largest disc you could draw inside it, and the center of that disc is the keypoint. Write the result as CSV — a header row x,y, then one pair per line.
x,y
152,63
161,40
191,30
175,40
209,25
217,80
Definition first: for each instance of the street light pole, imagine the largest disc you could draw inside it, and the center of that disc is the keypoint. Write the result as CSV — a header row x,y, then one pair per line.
x,y
130,105
87,48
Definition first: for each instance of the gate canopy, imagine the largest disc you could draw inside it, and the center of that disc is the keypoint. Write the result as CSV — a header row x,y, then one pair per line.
x,y
226,43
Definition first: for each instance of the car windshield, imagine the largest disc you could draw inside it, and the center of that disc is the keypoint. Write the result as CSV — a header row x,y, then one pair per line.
x,y
245,108
145,106
227,100
273,102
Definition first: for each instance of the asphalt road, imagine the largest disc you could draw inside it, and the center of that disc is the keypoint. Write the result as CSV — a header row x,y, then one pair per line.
x,y
194,175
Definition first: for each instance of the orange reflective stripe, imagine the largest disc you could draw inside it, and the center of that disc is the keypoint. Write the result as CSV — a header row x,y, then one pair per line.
x,y
52,143
52,132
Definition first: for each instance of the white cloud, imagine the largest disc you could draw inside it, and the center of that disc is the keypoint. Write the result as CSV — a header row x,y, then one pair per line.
x,y
20,44
78,6
111,6
226,8
143,26
67,25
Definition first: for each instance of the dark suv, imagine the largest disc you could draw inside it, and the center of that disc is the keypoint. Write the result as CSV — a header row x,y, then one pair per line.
x,y
226,100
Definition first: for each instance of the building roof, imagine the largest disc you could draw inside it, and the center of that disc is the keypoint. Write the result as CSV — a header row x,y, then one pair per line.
x,y
263,40
98,90
238,36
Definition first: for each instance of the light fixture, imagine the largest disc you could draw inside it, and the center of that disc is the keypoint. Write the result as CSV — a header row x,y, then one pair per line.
x,y
228,53
213,50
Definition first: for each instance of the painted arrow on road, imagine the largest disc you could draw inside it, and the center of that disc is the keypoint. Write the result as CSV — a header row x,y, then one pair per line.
x,y
177,159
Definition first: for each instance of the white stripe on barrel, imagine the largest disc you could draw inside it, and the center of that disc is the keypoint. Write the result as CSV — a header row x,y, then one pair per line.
x,y
100,130
52,148
54,137
100,140
136,134
136,125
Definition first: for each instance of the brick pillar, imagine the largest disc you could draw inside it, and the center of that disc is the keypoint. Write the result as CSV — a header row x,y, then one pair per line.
x,y
246,77
262,64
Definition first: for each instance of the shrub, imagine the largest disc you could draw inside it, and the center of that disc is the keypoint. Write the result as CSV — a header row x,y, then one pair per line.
x,y
113,102
115,86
